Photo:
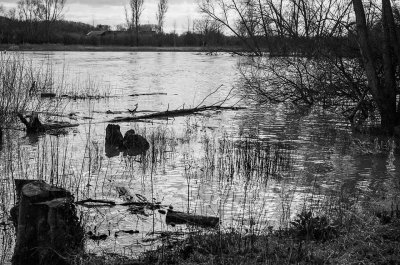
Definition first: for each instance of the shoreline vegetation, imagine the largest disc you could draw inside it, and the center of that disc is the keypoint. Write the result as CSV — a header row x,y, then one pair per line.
x,y
348,236
115,48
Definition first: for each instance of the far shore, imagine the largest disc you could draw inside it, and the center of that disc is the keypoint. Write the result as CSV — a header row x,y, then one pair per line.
x,y
104,48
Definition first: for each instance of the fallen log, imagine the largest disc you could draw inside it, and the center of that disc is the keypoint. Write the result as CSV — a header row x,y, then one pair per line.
x,y
174,113
174,217
34,125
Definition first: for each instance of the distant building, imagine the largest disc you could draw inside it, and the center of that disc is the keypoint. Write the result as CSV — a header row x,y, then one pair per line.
x,y
149,29
104,30
97,33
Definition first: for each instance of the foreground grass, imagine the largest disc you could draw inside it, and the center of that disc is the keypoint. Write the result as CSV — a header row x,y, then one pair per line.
x,y
368,243
360,238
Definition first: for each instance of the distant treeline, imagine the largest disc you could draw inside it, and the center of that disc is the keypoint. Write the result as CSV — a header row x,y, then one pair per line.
x,y
14,31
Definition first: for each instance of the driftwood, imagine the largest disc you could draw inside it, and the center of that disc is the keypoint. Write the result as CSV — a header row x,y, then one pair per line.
x,y
93,203
47,229
174,113
174,217
147,94
34,125
48,95
129,199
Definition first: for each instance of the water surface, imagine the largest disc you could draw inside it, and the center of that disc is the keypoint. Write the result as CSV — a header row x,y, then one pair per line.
x,y
194,170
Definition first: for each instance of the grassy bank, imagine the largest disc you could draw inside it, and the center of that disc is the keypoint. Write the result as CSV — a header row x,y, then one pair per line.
x,y
360,237
364,242
104,48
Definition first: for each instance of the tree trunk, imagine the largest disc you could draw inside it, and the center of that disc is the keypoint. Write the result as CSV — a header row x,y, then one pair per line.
x,y
394,40
137,25
384,94
389,63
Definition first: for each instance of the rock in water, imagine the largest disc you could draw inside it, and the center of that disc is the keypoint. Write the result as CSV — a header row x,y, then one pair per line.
x,y
135,144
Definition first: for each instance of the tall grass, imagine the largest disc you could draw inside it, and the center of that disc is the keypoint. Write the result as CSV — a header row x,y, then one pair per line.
x,y
17,87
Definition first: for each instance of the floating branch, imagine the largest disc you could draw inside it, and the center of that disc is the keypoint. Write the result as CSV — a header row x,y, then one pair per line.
x,y
183,112
174,113
91,203
147,94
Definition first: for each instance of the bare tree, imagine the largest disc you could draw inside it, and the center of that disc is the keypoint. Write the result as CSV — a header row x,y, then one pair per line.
x,y
47,11
51,10
129,23
162,9
383,85
252,20
29,10
207,28
136,7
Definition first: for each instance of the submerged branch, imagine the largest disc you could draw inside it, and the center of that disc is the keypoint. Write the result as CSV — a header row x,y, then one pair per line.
x,y
34,125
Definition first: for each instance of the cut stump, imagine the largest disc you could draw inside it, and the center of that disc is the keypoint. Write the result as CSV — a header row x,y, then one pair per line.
x,y
47,228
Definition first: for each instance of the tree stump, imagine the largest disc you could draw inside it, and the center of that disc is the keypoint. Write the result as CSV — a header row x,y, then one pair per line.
x,y
33,125
131,144
48,230
134,144
113,140
114,135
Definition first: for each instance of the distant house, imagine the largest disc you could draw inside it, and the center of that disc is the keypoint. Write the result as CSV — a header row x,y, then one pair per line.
x,y
97,33
149,29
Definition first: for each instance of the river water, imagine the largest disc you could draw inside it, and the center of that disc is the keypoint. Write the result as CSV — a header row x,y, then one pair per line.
x,y
256,166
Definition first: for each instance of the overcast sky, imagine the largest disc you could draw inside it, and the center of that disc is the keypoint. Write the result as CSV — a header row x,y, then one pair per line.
x,y
111,12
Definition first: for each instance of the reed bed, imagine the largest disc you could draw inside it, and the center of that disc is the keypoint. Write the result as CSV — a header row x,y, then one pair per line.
x,y
17,87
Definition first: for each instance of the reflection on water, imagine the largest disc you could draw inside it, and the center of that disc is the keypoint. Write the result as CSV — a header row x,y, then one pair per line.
x,y
261,163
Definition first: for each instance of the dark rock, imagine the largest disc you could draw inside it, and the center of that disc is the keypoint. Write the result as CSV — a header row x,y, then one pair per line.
x,y
134,144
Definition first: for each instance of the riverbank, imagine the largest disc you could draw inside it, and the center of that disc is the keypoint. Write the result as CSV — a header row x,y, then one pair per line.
x,y
61,47
351,237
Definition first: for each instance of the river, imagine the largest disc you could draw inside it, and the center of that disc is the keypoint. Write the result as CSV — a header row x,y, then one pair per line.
x,y
208,164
